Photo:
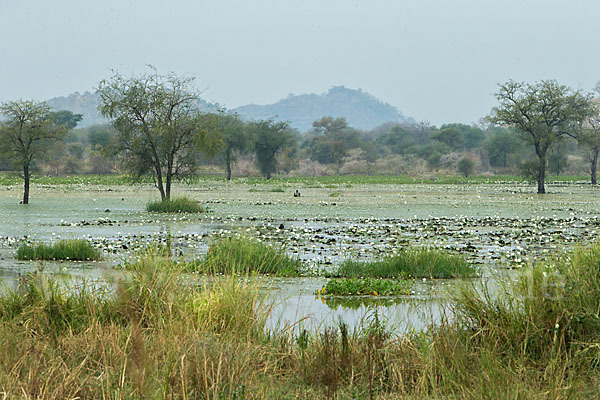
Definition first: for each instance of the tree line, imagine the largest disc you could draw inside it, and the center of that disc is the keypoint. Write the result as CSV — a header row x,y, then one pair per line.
x,y
157,129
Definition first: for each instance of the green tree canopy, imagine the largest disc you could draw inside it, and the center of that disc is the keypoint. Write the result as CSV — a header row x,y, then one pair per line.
x,y
270,139
329,125
236,139
500,145
160,129
28,131
541,113
66,118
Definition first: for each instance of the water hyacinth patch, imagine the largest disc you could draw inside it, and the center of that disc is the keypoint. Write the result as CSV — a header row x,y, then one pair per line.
x,y
71,249
365,286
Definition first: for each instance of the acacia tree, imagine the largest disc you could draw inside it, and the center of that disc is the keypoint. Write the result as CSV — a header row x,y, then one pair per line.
x,y
28,131
270,138
159,127
541,114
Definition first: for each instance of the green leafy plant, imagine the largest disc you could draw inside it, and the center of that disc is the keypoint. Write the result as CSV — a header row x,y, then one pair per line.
x,y
364,286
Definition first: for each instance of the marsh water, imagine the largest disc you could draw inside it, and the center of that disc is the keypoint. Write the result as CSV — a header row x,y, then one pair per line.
x,y
498,227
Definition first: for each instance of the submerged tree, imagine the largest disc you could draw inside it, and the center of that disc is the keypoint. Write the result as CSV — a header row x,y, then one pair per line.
x,y
270,139
541,114
27,132
160,129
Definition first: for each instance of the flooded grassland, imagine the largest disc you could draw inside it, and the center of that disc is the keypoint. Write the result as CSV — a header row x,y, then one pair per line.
x,y
497,227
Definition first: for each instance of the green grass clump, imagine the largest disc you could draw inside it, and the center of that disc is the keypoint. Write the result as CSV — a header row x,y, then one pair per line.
x,y
240,255
277,190
364,286
70,249
177,205
412,263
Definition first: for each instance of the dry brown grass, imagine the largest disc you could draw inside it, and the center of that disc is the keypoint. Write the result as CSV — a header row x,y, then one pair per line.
x,y
158,338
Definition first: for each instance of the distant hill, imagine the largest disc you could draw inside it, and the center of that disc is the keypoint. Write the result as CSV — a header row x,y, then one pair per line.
x,y
361,110
86,104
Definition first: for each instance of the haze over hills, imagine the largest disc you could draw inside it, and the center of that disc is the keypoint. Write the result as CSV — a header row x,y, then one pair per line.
x,y
86,104
361,110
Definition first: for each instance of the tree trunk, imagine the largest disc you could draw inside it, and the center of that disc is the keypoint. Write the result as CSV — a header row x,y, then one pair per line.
x,y
594,164
161,189
268,175
168,187
26,186
228,165
541,175
159,182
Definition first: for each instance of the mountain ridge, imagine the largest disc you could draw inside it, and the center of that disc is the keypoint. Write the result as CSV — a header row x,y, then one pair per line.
x,y
361,109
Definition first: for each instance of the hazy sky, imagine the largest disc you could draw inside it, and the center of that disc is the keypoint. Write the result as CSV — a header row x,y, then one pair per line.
x,y
436,60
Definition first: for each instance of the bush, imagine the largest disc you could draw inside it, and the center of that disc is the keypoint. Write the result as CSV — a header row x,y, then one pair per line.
x,y
410,263
240,255
529,170
176,205
72,249
465,166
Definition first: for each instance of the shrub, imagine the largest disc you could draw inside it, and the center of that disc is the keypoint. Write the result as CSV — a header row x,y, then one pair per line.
x,y
72,249
465,166
176,205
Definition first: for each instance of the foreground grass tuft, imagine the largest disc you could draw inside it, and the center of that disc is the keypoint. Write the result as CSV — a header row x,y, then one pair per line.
x,y
241,255
176,205
411,263
71,249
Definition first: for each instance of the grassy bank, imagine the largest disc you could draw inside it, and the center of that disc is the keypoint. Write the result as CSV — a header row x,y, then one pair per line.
x,y
70,249
9,179
158,336
409,263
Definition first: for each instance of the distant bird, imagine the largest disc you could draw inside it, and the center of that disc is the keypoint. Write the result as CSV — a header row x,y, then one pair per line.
x,y
297,193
